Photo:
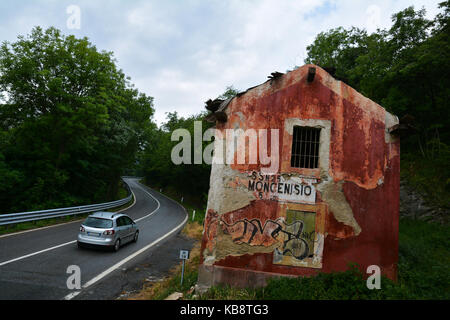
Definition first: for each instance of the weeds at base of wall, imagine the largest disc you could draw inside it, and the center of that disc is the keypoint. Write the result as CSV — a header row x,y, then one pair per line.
x,y
325,286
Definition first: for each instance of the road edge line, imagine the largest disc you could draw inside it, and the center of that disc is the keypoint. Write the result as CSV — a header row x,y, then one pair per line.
x,y
151,213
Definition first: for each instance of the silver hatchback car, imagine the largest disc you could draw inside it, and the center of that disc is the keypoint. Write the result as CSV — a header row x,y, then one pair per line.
x,y
108,229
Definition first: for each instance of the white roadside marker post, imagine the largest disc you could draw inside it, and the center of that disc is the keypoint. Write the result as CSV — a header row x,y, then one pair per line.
x,y
184,255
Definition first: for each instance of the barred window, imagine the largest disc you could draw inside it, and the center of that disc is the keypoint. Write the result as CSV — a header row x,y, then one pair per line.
x,y
305,148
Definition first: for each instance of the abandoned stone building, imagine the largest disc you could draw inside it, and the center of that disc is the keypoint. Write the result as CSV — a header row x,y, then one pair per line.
x,y
333,198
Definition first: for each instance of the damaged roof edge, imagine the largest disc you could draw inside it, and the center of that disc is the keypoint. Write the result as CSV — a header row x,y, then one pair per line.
x,y
223,106
219,115
212,117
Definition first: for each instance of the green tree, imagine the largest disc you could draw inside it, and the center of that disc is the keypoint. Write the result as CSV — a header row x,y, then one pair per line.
x,y
406,69
160,171
230,92
70,121
156,164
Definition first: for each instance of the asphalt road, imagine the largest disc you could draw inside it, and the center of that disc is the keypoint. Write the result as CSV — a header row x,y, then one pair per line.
x,y
33,265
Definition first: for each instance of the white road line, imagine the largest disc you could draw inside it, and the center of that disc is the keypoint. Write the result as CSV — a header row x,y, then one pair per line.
x,y
120,263
157,208
72,295
35,253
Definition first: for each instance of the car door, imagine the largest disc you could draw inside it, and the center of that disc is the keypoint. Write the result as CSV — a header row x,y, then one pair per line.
x,y
121,229
129,228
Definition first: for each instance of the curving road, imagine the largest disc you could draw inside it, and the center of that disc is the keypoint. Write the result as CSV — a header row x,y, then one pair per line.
x,y
33,264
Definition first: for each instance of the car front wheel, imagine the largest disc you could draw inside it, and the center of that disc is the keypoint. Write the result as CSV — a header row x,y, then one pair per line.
x,y
136,236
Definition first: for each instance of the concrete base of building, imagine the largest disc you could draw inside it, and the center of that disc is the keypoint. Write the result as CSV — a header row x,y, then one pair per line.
x,y
209,276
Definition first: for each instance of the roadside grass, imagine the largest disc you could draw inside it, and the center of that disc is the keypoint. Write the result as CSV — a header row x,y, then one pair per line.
x,y
325,286
424,260
30,225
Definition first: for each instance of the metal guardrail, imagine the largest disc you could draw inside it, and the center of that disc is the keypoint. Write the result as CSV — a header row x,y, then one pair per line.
x,y
12,218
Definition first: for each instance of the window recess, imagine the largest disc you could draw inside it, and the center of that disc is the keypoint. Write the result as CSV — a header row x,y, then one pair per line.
x,y
305,147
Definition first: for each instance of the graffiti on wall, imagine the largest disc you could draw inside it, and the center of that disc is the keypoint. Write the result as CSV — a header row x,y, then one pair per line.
x,y
252,232
293,233
296,238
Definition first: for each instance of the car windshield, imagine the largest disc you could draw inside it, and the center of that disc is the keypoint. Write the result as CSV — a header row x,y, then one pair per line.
x,y
98,223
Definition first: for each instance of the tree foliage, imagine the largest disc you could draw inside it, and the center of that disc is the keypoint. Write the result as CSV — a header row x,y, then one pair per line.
x,y
155,161
70,122
406,69
230,92
160,171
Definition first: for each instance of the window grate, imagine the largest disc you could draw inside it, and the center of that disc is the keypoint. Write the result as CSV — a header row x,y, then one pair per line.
x,y
305,148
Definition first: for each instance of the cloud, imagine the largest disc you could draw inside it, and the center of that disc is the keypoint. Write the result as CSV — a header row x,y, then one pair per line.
x,y
149,19
185,52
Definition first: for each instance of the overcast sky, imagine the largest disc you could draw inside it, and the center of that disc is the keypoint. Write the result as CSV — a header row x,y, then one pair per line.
x,y
183,52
